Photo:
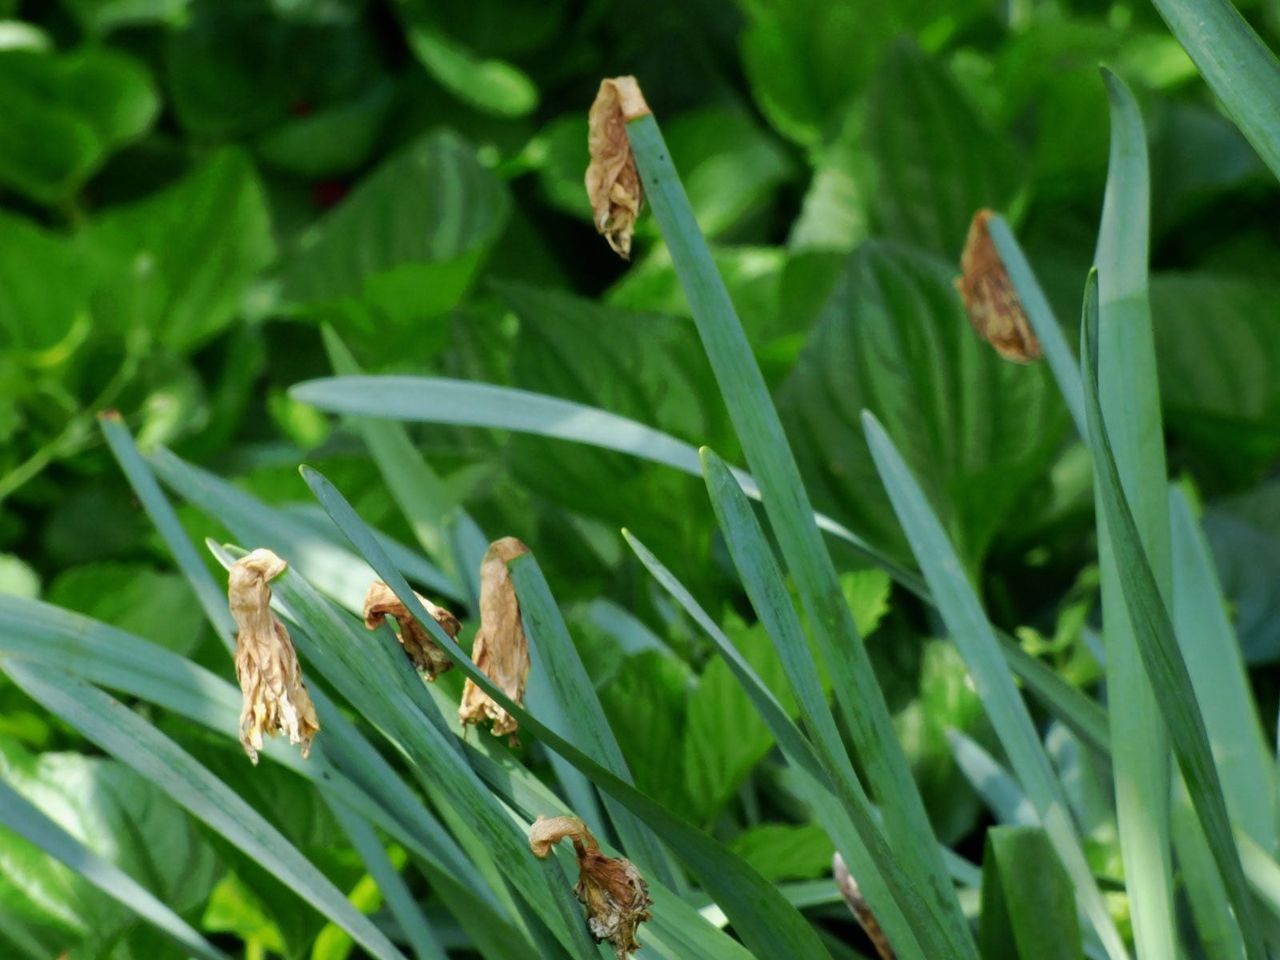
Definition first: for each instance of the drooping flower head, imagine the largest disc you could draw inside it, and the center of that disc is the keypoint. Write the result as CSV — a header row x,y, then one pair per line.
x,y
501,649
613,182
422,651
611,888
275,697
990,300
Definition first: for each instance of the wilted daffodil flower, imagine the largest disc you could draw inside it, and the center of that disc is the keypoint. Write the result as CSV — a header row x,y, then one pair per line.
x,y
613,182
989,296
501,649
611,888
380,603
275,698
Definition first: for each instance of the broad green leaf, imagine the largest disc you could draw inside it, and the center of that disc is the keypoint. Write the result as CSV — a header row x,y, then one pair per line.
x,y
993,681
1154,637
731,167
1244,533
17,578
1236,64
409,238
1022,918
44,295
935,159
977,429
786,852
134,597
123,820
176,266
805,60
753,276
1131,403
101,17
65,113
645,704
725,737
29,822
333,141
162,762
234,69
1219,369
493,86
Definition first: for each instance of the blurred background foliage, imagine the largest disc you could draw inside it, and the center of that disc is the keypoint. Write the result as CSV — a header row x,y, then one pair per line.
x,y
191,189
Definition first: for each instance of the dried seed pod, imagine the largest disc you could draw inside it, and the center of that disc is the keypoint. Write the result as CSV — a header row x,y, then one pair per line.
x,y
990,298
861,909
611,888
613,183
275,698
501,649
380,603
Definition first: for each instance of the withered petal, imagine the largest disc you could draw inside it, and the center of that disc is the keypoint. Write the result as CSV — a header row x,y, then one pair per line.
x,y
501,650
275,698
380,602
990,300
613,182
613,891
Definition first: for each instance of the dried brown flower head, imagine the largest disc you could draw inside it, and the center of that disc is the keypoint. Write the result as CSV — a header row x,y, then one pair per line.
x,y
990,299
275,698
613,183
611,888
380,603
861,910
501,649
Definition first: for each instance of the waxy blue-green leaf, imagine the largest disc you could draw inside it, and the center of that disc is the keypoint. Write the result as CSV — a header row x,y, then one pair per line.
x,y
763,919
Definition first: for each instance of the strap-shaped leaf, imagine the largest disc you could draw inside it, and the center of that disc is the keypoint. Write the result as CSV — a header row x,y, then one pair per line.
x,y
1153,633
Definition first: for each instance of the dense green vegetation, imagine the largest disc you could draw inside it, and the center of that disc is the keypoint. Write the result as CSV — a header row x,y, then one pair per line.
x,y
1020,673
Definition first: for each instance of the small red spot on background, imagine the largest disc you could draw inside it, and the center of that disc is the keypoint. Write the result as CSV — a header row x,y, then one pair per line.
x,y
301,108
328,193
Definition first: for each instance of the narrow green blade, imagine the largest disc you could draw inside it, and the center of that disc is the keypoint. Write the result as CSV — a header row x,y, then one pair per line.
x,y
586,723
338,571
361,778
767,588
29,822
1065,367
1131,405
391,885
973,636
859,698
1158,646
1221,681
466,404
443,528
1236,64
765,921
126,736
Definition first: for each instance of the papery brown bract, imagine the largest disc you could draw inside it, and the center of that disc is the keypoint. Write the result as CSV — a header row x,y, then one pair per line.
x,y
990,300
613,182
380,602
501,649
275,699
611,888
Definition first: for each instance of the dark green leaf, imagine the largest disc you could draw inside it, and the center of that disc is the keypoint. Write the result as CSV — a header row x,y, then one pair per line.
x,y
976,429
1028,910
